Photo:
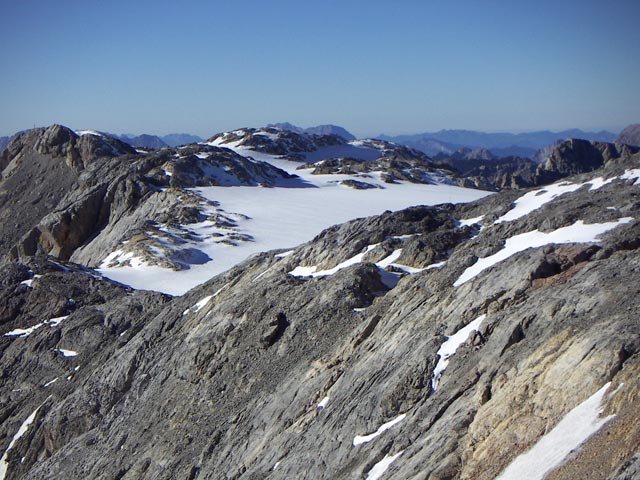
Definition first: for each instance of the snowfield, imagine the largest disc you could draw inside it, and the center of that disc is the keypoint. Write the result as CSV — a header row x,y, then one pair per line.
x,y
279,218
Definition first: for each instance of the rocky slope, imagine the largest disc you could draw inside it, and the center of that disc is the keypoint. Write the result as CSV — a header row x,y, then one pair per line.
x,y
429,343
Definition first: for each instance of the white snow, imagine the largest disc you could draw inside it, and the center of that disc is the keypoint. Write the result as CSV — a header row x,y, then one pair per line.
x,y
4,463
67,353
301,271
285,254
312,271
390,279
204,301
599,182
29,283
201,303
632,174
51,382
553,448
537,198
323,403
379,468
360,439
89,132
277,218
385,262
470,221
579,232
25,332
54,322
449,348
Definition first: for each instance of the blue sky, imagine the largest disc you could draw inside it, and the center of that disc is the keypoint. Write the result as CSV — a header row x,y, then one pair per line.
x,y
371,66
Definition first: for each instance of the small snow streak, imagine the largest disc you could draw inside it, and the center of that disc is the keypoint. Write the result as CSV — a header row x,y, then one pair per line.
x,y
449,348
4,462
379,468
360,439
67,353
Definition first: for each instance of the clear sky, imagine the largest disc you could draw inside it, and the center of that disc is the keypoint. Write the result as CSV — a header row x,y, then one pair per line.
x,y
371,66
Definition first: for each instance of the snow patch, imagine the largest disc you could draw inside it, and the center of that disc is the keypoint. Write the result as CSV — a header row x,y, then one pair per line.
x,y
89,132
67,353
470,221
579,232
449,348
4,462
553,448
25,332
631,175
360,439
323,403
537,198
379,468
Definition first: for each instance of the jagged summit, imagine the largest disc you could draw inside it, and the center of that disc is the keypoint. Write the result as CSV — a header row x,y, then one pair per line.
x,y
62,142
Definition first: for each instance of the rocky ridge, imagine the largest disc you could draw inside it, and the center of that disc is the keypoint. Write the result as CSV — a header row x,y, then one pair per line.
x,y
392,169
94,194
564,159
322,362
274,141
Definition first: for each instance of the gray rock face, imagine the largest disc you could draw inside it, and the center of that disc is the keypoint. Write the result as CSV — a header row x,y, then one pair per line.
x,y
630,135
270,370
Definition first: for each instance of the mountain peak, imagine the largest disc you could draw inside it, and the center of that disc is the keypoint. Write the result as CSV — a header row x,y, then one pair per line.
x,y
317,130
630,135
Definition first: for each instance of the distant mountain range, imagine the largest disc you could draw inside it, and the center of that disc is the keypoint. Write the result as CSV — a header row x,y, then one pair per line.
x,y
157,142
500,144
